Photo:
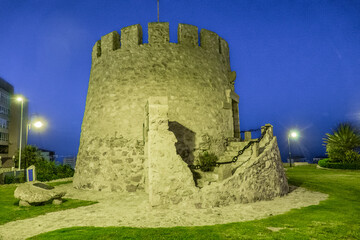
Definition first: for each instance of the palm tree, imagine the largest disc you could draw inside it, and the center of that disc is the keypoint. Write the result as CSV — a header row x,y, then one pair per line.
x,y
344,139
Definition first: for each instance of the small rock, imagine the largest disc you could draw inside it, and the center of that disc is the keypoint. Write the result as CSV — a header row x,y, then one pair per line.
x,y
57,201
36,193
24,203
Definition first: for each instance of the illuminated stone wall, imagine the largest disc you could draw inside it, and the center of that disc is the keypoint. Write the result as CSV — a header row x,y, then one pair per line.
x,y
168,178
262,177
197,80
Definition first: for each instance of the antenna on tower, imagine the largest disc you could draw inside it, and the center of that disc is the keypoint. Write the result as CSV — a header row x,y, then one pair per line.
x,y
158,10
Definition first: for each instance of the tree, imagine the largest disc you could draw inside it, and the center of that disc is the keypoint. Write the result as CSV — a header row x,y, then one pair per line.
x,y
45,170
343,143
30,155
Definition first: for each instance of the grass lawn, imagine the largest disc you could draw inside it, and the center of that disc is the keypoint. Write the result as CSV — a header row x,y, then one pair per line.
x,y
10,210
336,218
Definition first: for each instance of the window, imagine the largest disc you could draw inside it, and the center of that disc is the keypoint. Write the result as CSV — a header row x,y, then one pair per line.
x,y
4,110
4,97
4,137
4,123
4,149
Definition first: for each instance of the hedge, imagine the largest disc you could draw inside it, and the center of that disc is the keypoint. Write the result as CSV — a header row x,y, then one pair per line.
x,y
338,165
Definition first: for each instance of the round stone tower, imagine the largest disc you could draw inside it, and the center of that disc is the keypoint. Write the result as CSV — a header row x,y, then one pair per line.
x,y
125,73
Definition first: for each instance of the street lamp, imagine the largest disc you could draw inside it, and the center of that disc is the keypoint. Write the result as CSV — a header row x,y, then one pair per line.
x,y
294,135
20,99
37,123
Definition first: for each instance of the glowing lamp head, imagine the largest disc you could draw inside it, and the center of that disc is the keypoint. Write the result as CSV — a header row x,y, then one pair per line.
x,y
38,124
294,134
19,99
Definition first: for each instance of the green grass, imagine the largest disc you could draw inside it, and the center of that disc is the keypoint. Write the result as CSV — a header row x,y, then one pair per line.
x,y
10,210
54,184
336,218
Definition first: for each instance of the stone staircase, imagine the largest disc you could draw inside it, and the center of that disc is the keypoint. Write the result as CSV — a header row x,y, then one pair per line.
x,y
224,171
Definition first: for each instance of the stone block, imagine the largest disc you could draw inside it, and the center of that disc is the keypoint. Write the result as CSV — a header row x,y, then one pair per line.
x,y
131,36
247,136
209,40
110,42
96,52
224,49
188,35
158,32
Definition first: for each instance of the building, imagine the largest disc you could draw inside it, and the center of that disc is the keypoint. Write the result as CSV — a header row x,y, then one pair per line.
x,y
10,119
48,155
298,159
70,161
153,108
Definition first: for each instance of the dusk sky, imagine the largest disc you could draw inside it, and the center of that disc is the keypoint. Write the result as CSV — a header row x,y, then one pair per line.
x,y
297,62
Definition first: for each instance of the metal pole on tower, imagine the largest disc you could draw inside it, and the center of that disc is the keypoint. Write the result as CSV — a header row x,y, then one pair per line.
x,y
158,11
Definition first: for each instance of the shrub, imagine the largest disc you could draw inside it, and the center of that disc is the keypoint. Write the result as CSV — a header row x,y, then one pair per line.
x,y
342,143
207,161
352,157
326,163
8,179
45,170
64,171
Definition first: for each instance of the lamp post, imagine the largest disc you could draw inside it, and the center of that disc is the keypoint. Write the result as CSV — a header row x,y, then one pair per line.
x,y
294,135
20,99
37,124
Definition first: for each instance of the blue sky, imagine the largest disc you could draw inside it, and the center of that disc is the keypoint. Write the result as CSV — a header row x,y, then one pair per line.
x,y
297,62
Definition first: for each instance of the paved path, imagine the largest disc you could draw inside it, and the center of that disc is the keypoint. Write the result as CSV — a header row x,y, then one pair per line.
x,y
132,210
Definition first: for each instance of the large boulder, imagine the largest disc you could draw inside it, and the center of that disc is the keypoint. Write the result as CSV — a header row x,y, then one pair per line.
x,y
36,193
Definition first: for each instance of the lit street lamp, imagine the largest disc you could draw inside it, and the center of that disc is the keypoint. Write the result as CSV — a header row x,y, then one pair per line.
x,y
294,135
37,124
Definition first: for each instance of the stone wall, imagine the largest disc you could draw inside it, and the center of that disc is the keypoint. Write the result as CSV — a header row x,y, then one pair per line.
x,y
169,179
110,163
260,178
2,170
196,79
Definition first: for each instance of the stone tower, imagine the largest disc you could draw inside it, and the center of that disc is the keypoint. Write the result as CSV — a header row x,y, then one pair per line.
x,y
125,72
152,107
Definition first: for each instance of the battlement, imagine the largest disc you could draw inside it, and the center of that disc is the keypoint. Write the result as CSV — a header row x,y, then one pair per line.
x,y
158,34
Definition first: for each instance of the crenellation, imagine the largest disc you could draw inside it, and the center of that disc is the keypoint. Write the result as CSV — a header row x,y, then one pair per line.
x,y
110,42
224,49
131,36
188,35
96,50
209,40
158,32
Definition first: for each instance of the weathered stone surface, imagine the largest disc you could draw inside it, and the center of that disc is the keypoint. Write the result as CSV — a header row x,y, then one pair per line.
x,y
23,203
125,148
32,194
108,172
57,201
123,76
260,178
170,180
